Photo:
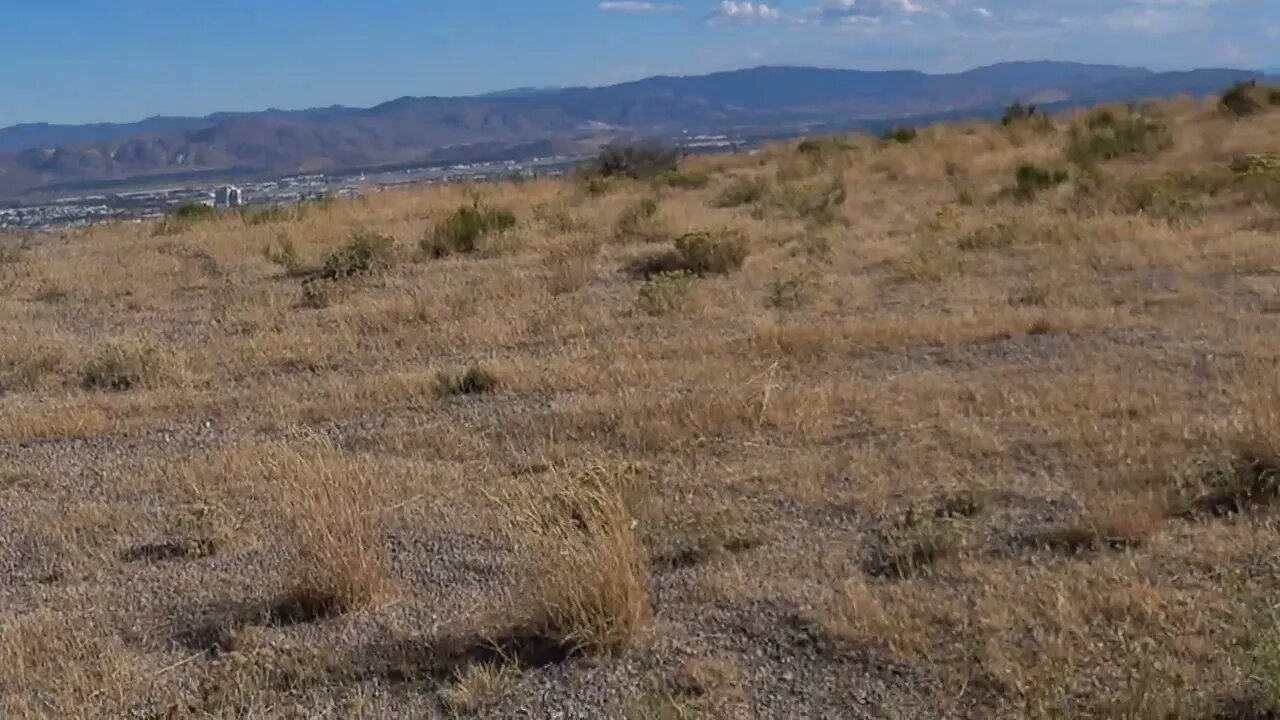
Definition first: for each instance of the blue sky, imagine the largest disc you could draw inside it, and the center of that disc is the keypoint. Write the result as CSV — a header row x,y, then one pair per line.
x,y
97,60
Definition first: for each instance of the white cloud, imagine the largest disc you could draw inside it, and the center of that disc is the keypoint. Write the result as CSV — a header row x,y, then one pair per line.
x,y
744,10
1159,17
632,6
1024,28
840,10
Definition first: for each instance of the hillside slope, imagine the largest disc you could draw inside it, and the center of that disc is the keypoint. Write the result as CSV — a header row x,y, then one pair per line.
x,y
980,424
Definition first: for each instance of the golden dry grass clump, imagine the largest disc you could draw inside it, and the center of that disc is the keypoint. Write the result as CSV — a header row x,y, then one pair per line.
x,y
330,505
583,569
973,420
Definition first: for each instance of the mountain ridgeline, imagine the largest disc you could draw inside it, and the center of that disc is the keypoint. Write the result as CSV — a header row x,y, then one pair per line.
x,y
523,122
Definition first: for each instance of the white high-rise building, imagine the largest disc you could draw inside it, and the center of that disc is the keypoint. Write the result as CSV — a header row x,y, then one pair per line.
x,y
229,196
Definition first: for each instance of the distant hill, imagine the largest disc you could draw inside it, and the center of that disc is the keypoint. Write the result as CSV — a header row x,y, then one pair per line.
x,y
460,129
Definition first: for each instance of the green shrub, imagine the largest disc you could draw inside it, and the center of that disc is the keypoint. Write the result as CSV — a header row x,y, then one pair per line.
x,y
1101,119
816,202
462,231
1018,114
1116,138
596,186
366,251
712,253
192,212
638,162
822,146
181,218
903,134
684,179
1176,194
742,191
1243,99
1032,179
665,292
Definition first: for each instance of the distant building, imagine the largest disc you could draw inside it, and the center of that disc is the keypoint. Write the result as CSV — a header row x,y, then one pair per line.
x,y
229,196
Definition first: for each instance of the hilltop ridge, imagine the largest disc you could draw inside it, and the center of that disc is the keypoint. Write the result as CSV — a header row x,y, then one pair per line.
x,y
416,129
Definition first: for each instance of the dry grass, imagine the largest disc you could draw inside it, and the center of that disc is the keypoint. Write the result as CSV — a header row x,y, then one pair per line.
x,y
584,571
853,414
476,687
330,505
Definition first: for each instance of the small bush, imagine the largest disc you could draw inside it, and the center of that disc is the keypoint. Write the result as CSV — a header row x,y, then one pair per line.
x,y
818,153
462,231
1018,113
271,215
1256,163
1032,179
1101,119
319,293
572,265
684,179
557,219
814,248
816,202
915,551
181,218
285,255
122,365
366,252
998,236
192,212
634,221
596,186
698,254
821,146
1176,194
712,253
475,380
790,293
638,162
1248,98
1108,138
742,191
26,363
665,293
903,135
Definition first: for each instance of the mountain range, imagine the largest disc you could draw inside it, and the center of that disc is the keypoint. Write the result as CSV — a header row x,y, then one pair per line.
x,y
534,121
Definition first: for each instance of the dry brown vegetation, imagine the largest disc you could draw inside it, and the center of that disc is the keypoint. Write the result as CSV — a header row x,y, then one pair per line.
x,y
980,422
